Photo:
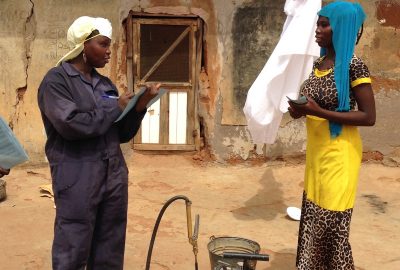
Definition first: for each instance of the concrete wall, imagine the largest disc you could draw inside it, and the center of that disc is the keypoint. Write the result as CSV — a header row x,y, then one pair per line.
x,y
239,36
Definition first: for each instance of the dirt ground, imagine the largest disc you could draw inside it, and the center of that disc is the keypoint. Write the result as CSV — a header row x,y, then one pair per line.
x,y
243,200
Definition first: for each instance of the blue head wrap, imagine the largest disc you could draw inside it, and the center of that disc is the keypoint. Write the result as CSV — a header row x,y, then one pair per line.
x,y
345,20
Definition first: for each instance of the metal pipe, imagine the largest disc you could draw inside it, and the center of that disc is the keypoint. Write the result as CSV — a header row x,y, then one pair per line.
x,y
247,258
189,219
192,238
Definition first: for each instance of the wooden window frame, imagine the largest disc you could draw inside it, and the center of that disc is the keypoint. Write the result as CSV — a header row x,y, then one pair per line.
x,y
191,87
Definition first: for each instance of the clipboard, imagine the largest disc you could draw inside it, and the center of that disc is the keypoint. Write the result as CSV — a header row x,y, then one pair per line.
x,y
11,151
133,101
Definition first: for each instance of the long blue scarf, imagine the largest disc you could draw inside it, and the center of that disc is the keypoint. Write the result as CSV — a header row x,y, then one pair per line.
x,y
345,19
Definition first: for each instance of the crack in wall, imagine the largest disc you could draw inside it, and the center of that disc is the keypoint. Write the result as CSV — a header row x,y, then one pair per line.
x,y
29,35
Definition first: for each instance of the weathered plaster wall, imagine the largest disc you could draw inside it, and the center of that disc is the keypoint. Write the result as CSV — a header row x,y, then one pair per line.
x,y
239,35
255,27
16,35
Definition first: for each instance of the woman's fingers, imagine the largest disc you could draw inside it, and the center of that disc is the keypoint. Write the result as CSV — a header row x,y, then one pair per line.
x,y
124,99
4,172
294,114
153,88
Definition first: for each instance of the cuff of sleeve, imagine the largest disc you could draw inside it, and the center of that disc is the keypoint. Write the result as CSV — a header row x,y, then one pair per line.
x,y
140,115
360,81
142,112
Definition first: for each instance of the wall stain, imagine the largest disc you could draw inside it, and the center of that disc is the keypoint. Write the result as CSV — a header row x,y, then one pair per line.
x,y
255,33
385,84
387,12
376,42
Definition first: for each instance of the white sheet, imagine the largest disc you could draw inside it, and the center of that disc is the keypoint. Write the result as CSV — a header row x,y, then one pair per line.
x,y
288,66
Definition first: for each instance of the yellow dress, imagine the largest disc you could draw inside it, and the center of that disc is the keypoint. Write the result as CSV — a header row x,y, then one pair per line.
x,y
331,177
332,165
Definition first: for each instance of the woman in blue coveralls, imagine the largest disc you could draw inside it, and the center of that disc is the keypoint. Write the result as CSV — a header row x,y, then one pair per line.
x,y
89,173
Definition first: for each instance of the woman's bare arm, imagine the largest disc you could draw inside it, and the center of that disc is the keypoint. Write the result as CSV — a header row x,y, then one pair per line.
x,y
364,116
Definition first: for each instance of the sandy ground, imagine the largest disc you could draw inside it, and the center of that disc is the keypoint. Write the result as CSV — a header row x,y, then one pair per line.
x,y
243,200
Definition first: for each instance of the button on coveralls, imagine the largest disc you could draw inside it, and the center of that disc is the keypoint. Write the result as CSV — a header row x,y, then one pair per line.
x,y
89,173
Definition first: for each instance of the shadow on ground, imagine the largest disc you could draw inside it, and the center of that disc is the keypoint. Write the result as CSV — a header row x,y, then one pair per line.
x,y
266,204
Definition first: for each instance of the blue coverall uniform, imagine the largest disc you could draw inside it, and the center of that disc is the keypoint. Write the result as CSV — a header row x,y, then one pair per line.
x,y
88,170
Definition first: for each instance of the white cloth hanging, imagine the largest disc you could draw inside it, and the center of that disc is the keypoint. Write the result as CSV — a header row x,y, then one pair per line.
x,y
288,66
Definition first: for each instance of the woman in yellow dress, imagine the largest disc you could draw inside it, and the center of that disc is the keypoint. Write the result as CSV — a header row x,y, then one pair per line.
x,y
340,98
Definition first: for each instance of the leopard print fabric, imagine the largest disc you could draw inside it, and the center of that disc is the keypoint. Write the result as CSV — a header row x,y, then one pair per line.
x,y
323,242
323,89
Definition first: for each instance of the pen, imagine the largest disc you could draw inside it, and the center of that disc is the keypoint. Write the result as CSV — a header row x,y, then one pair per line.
x,y
107,96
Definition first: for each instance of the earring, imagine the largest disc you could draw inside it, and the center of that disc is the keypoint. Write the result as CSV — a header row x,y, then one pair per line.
x,y
84,57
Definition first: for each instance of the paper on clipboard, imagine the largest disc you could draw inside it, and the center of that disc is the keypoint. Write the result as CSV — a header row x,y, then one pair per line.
x,y
11,151
135,98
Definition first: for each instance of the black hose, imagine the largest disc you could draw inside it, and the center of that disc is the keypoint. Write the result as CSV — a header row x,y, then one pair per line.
x,y
153,236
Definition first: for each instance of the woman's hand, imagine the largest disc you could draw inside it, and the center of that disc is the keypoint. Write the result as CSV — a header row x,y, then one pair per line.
x,y
364,116
150,92
4,172
294,113
123,99
299,110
